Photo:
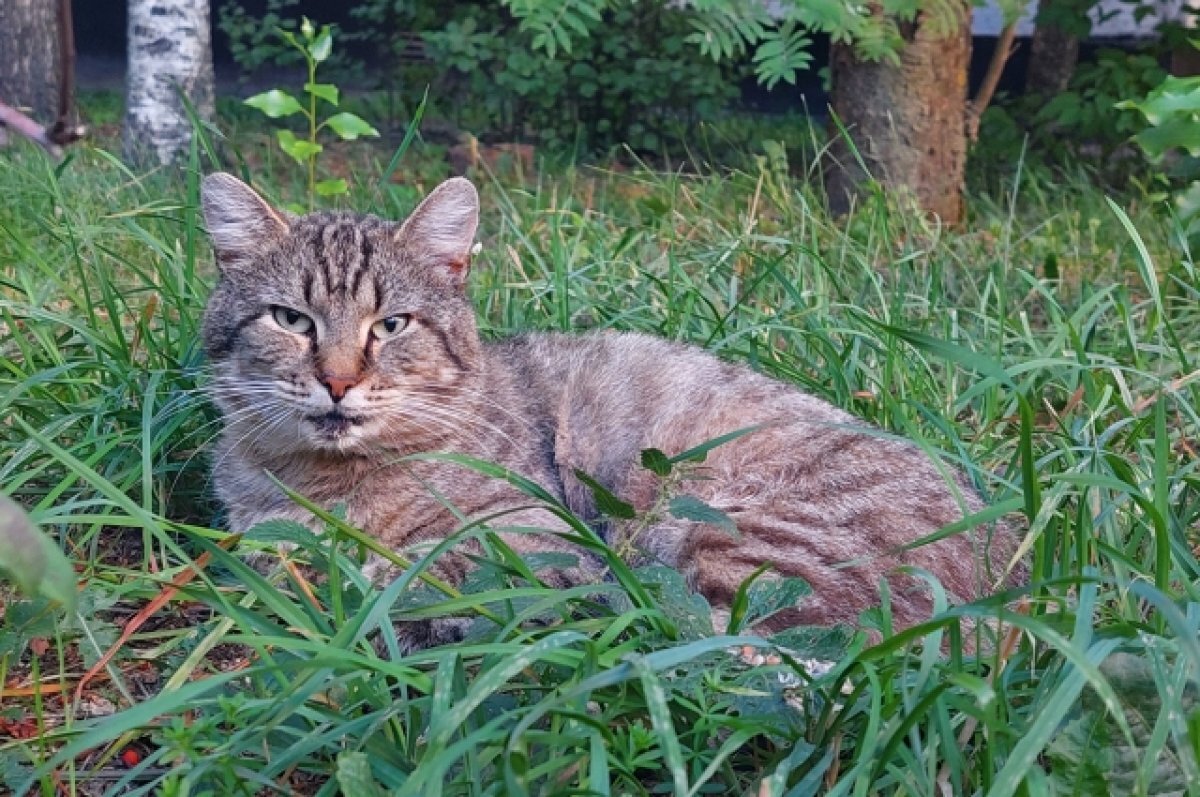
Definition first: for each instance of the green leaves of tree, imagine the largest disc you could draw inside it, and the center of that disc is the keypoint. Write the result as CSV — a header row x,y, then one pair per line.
x,y
555,24
780,58
689,507
780,41
324,91
1173,112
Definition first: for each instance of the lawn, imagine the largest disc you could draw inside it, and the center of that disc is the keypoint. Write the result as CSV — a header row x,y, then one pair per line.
x,y
1047,349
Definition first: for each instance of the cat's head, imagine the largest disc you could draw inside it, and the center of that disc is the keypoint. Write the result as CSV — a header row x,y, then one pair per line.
x,y
338,332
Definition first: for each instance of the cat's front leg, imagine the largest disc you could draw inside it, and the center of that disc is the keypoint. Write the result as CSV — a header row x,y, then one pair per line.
x,y
260,558
452,567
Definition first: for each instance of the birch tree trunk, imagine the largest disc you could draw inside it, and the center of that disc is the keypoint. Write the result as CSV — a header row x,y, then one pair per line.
x,y
170,55
907,122
29,57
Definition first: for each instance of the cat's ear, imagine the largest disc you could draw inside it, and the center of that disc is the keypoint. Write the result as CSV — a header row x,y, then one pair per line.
x,y
441,231
240,222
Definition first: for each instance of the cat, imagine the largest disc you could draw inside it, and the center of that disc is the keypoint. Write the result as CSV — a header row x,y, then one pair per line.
x,y
341,343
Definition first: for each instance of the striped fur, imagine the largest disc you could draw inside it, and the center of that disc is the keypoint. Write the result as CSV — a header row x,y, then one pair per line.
x,y
815,492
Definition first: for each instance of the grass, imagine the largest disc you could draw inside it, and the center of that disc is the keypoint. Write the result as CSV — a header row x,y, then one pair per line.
x,y
1048,349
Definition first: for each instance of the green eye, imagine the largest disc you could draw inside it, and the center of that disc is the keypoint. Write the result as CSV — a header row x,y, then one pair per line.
x,y
389,327
292,320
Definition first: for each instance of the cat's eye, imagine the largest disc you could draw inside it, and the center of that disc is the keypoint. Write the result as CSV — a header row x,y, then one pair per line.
x,y
389,327
292,320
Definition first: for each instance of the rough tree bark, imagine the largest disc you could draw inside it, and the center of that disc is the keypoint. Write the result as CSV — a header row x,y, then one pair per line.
x,y
1054,50
908,123
170,54
29,57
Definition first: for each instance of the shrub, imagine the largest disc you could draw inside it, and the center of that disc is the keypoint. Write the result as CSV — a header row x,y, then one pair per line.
x,y
631,78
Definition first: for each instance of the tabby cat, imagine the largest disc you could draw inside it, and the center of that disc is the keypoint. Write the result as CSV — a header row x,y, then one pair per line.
x,y
342,342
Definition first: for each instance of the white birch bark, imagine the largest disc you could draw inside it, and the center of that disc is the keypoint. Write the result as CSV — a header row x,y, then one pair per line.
x,y
170,53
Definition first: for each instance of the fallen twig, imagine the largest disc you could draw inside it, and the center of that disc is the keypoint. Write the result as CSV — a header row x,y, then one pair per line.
x,y
147,611
18,122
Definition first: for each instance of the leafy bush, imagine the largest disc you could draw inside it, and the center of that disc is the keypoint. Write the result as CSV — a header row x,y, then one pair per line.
x,y
1086,119
632,77
1088,111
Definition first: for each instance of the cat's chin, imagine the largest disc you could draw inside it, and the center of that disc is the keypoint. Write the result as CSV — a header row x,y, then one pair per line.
x,y
335,431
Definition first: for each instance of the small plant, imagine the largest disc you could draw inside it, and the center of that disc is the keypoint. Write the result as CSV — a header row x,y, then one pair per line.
x,y
315,46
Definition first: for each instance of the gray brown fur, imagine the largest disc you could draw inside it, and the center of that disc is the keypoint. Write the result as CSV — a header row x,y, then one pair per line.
x,y
811,491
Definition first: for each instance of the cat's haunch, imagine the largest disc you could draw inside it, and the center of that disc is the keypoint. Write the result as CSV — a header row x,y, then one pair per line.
x,y
343,342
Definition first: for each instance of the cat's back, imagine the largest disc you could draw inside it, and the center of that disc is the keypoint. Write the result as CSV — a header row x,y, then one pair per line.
x,y
613,394
819,493
635,377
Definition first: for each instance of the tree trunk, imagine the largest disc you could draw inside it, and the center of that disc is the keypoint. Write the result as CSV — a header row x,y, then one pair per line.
x,y
1053,52
29,57
907,122
170,54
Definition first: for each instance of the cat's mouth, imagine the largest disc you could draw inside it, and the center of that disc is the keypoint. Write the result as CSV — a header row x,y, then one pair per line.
x,y
334,423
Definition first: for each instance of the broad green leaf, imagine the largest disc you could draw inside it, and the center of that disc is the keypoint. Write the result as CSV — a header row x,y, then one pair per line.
x,y
700,453
332,187
1174,97
606,502
280,530
656,461
326,91
31,559
354,776
323,46
688,507
740,602
299,149
1174,133
275,103
349,126
767,597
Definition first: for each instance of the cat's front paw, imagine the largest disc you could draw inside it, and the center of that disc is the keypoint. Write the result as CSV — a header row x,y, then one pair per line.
x,y
415,635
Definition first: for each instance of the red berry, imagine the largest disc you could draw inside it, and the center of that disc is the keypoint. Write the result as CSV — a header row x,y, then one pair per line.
x,y
131,757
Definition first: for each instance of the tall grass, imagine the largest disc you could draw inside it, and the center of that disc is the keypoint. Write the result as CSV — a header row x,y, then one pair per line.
x,y
1047,349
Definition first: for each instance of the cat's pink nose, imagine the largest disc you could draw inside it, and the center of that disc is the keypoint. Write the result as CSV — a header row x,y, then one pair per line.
x,y
338,385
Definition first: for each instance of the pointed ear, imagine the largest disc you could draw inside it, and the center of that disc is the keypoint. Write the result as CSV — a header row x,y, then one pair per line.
x,y
441,231
240,222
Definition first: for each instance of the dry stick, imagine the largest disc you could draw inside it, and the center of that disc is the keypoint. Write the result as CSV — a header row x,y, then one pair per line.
x,y
1000,56
62,133
18,122
160,600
